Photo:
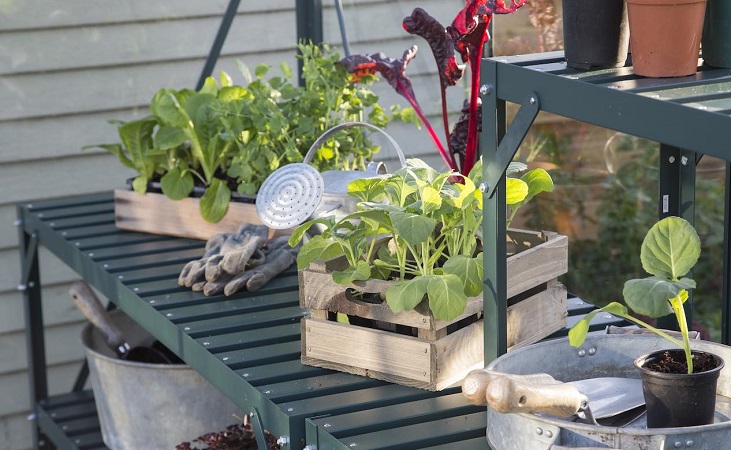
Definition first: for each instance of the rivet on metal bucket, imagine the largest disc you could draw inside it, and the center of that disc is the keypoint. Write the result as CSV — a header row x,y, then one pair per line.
x,y
539,431
582,353
592,351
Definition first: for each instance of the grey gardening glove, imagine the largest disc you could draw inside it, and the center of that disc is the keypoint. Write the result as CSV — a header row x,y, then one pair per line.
x,y
226,255
279,256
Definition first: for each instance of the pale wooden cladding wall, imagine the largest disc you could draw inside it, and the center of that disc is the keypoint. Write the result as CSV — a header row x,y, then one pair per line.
x,y
67,67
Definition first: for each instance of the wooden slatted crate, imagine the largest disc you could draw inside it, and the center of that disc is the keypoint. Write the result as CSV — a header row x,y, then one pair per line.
x,y
154,213
411,347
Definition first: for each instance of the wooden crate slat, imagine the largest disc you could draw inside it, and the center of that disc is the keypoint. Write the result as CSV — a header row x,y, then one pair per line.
x,y
155,213
536,317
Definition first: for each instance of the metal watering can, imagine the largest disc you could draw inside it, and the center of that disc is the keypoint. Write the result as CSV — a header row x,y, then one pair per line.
x,y
297,192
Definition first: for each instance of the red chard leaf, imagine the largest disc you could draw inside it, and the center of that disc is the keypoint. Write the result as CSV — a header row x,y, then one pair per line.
x,y
392,69
420,23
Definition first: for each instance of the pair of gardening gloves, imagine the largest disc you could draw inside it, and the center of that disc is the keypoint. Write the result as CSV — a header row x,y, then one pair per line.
x,y
246,259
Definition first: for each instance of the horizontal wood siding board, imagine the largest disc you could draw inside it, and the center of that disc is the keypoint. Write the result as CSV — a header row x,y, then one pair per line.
x,y
40,14
53,271
58,309
60,379
62,346
139,43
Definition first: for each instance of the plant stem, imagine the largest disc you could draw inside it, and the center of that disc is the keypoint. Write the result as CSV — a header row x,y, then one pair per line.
x,y
446,156
677,304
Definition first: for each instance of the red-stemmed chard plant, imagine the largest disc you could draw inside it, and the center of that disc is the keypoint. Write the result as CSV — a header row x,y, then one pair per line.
x,y
467,36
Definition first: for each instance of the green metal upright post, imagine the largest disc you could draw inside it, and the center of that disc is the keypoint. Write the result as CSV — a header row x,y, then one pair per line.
x,y
726,292
677,198
309,24
30,286
494,216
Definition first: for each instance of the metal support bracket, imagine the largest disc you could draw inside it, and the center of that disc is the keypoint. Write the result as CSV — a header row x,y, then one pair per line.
x,y
228,18
510,143
30,257
256,425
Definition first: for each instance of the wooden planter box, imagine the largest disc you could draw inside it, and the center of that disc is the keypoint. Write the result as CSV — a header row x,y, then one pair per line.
x,y
412,348
154,213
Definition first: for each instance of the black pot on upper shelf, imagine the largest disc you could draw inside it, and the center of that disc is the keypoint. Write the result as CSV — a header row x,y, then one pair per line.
x,y
679,399
596,33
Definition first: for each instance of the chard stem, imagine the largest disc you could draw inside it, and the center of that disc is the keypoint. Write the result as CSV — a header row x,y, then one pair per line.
x,y
447,157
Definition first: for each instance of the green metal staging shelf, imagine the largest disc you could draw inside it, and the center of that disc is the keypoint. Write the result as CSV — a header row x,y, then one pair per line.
x,y
247,345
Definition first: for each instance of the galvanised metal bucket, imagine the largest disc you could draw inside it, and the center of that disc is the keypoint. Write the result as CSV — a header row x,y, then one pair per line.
x,y
601,356
150,406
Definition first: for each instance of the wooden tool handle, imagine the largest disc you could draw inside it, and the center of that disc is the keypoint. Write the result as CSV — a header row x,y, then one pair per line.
x,y
474,386
509,394
92,308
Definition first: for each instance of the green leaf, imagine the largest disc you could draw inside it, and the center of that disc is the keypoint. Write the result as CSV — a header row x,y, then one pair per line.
x,y
286,71
214,203
225,79
431,200
210,86
115,149
232,93
413,228
169,137
538,180
447,299
362,271
670,249
316,249
577,333
469,271
139,184
177,184
515,167
342,318
366,189
466,193
167,108
299,233
515,190
405,295
649,296
261,70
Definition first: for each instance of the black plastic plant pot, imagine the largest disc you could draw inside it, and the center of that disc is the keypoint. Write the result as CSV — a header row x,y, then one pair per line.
x,y
595,33
679,399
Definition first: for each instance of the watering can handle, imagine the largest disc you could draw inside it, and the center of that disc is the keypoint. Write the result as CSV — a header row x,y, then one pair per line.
x,y
327,134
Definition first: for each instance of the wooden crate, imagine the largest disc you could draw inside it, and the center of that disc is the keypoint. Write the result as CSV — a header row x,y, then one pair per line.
x,y
154,213
433,354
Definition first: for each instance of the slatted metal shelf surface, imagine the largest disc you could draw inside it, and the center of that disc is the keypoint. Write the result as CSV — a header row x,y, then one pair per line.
x,y
691,113
247,345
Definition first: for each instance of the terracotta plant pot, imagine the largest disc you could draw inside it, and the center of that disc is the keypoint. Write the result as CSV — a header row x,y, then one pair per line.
x,y
595,33
665,36
717,34
679,399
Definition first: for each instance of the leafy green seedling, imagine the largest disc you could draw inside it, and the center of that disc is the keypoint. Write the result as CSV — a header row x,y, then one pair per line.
x,y
432,224
669,251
